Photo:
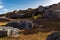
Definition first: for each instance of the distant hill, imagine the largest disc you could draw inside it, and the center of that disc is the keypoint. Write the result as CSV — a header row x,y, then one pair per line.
x,y
49,12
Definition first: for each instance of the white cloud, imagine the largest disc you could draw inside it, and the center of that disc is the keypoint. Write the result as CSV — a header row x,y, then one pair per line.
x,y
54,1
1,6
50,2
5,10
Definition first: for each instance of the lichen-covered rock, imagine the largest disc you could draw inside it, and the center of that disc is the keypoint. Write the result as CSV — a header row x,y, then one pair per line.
x,y
54,36
13,32
9,31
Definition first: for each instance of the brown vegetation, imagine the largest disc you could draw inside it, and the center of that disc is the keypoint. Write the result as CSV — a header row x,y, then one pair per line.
x,y
48,22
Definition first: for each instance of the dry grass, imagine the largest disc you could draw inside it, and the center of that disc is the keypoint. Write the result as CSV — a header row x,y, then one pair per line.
x,y
28,35
3,23
37,36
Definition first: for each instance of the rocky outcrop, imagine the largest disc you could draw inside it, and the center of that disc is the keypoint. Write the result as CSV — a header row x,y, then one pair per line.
x,y
40,9
54,10
27,25
49,12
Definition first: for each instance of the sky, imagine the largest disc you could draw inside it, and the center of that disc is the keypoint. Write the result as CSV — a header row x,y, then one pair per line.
x,y
10,5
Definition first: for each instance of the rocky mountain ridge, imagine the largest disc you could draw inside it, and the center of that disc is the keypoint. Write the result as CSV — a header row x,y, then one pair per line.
x,y
50,12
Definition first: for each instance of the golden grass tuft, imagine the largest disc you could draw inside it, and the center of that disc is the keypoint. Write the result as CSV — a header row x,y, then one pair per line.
x,y
3,23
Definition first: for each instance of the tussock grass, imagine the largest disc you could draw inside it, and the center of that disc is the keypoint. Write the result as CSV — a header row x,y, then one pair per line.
x,y
3,23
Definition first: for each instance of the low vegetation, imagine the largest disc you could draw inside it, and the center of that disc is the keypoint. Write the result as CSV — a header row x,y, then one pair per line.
x,y
45,21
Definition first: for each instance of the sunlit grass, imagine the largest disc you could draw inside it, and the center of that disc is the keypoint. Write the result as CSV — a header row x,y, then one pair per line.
x,y
37,36
3,23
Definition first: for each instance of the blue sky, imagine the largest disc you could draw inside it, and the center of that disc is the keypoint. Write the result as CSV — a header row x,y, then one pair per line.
x,y
9,5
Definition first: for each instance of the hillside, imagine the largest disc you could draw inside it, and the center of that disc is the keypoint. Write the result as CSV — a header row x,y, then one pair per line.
x,y
51,11
45,21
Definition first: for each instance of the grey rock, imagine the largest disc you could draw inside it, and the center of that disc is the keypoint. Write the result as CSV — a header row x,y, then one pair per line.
x,y
9,31
27,25
52,11
21,25
41,9
17,16
54,36
3,33
50,14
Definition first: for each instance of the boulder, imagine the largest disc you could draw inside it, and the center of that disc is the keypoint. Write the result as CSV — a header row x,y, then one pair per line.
x,y
49,14
9,31
13,32
21,25
52,11
14,25
41,9
52,14
26,25
3,33
54,36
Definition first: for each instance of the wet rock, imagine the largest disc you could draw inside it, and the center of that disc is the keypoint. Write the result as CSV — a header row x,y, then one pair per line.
x,y
54,36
